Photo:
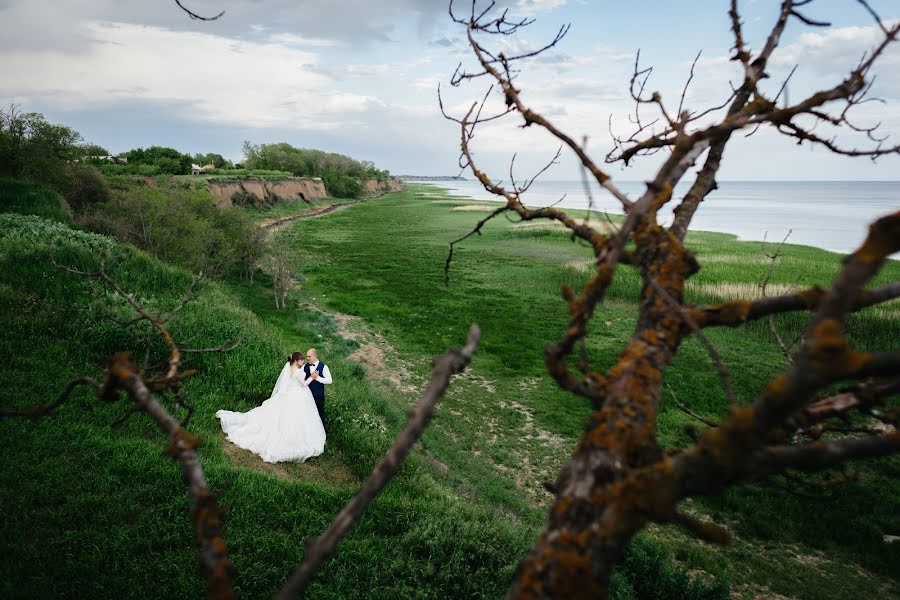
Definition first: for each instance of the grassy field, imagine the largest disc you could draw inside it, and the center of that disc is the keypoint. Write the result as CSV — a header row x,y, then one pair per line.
x,y
99,511
96,510
504,427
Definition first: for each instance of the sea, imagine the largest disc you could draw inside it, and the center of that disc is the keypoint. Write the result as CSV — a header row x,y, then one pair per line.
x,y
833,215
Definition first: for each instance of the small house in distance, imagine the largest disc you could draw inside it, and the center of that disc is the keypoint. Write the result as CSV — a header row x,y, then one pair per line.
x,y
197,169
119,160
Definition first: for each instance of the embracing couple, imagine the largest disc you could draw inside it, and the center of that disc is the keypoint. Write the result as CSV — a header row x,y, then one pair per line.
x,y
289,425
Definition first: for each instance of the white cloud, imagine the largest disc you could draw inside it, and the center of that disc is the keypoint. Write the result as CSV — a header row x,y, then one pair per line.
x,y
297,40
568,88
366,70
836,51
223,79
538,5
40,23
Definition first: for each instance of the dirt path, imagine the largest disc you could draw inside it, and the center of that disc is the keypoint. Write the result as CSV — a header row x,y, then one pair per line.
x,y
273,225
374,352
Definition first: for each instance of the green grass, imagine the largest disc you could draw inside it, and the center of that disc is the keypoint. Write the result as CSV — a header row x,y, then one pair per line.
x,y
28,198
505,428
99,511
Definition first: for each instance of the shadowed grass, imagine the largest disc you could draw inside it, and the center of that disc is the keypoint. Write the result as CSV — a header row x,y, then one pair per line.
x,y
28,198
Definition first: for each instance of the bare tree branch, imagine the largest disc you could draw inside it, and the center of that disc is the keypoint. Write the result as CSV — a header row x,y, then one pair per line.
x,y
773,258
618,478
123,374
195,16
42,410
206,516
815,457
683,408
226,347
731,314
319,549
721,369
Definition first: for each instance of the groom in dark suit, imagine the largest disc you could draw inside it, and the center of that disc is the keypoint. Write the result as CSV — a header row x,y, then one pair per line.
x,y
317,377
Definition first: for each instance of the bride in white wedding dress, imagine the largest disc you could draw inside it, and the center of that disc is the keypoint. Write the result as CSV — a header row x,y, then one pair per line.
x,y
284,427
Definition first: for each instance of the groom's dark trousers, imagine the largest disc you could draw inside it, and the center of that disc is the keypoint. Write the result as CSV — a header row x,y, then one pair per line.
x,y
317,389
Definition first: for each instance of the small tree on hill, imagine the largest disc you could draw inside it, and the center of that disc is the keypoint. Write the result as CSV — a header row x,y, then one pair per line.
x,y
279,266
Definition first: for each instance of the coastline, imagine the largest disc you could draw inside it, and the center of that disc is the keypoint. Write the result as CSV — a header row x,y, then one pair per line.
x,y
832,216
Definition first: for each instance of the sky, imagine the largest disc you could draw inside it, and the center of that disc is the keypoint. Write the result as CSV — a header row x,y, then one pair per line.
x,y
360,77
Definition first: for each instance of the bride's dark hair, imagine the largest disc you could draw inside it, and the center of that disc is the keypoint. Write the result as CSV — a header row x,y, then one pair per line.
x,y
295,357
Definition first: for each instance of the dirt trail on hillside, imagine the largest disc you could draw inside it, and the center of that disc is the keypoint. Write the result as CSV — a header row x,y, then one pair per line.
x,y
273,225
382,361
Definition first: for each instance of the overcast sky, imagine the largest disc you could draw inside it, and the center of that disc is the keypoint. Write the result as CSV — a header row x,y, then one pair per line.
x,y
360,77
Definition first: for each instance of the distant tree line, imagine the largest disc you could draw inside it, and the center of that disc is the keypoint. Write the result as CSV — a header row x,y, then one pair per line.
x,y
340,173
171,218
33,149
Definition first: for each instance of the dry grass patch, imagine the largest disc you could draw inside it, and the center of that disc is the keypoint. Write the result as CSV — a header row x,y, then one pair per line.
x,y
475,208
582,265
548,225
542,225
884,312
729,290
331,472
374,352
732,259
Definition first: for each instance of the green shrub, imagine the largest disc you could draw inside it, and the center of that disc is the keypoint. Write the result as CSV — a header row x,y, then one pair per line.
x,y
33,149
235,174
342,186
28,198
89,187
166,160
179,225
144,170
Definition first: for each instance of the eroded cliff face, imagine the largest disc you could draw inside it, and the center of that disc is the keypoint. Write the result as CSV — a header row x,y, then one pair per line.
x,y
374,187
258,192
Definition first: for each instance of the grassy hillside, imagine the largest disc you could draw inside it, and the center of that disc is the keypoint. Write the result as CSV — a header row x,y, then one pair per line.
x,y
505,428
97,510
28,198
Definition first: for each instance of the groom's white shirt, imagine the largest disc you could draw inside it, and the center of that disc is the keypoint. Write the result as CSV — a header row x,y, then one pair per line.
x,y
324,379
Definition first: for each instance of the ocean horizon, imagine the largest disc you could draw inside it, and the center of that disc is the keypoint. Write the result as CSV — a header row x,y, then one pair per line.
x,y
832,215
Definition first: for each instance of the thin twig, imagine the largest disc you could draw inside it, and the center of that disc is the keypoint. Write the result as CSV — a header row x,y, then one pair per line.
x,y
683,408
762,288
195,16
223,348
42,410
724,376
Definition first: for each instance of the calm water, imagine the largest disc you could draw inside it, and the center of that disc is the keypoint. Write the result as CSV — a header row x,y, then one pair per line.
x,y
828,214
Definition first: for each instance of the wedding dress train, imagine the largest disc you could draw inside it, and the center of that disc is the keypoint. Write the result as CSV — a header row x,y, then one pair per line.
x,y
284,427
